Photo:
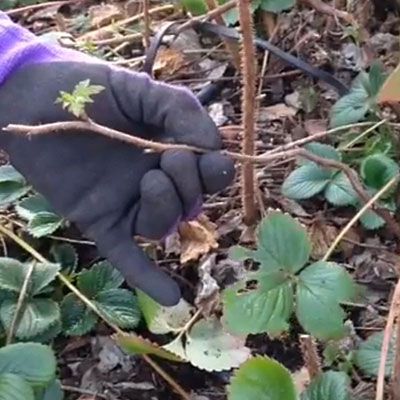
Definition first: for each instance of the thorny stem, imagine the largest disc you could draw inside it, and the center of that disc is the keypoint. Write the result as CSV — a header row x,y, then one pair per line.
x,y
28,248
146,19
366,206
310,355
248,110
387,335
20,303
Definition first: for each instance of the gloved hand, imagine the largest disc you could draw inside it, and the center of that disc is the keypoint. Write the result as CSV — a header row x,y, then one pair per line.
x,y
109,189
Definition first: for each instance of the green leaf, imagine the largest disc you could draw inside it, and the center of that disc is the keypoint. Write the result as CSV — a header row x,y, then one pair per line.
x,y
210,348
330,385
367,357
371,220
195,7
276,6
377,170
77,319
12,185
37,316
161,320
13,273
119,306
377,78
44,223
32,205
262,378
38,369
54,392
322,150
305,182
133,345
100,277
340,191
13,387
65,255
321,288
352,107
282,242
49,334
258,311
239,253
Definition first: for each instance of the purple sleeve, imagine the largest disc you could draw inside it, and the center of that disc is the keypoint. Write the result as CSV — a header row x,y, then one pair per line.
x,y
18,47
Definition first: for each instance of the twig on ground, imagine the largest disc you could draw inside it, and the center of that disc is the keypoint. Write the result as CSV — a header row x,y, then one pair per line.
x,y
310,355
73,389
325,8
34,7
20,303
395,383
387,336
111,28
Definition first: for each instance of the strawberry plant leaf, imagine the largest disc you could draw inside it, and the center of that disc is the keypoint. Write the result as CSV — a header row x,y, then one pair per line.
x,y
330,385
195,7
367,357
306,181
161,320
377,78
340,191
176,347
37,316
377,170
77,319
210,348
262,378
38,369
44,223
65,255
30,206
133,345
354,106
283,244
321,288
321,150
260,310
13,387
276,6
119,306
12,185
53,392
100,277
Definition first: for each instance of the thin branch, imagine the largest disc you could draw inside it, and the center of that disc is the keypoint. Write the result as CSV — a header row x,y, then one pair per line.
x,y
146,19
358,215
29,249
395,383
310,355
248,59
387,336
20,303
33,7
73,389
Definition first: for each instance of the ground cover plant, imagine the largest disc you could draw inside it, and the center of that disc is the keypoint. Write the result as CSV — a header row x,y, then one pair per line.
x,y
290,276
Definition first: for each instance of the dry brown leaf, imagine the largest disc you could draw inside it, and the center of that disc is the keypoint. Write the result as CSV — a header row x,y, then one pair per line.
x,y
197,238
168,62
276,112
322,236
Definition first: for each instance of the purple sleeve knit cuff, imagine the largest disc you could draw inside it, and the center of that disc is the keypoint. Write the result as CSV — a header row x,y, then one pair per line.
x,y
18,47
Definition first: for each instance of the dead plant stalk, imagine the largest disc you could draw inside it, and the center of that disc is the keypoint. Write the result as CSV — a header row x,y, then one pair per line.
x,y
248,57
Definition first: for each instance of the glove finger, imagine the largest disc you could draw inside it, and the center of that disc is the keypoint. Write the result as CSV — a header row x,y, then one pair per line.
x,y
217,171
138,270
181,166
160,208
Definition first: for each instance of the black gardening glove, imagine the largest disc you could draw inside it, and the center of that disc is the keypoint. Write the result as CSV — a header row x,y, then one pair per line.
x,y
109,189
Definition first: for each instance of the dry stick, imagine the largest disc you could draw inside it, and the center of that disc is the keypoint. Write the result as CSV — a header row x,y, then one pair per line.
x,y
20,303
387,335
79,126
310,355
366,206
325,8
230,44
395,384
93,395
248,110
118,40
33,7
123,22
28,248
146,19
